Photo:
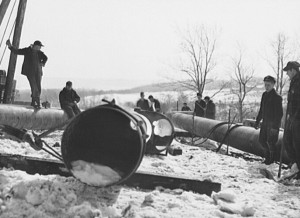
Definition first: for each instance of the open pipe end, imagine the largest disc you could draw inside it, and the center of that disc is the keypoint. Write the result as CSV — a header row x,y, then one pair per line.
x,y
103,146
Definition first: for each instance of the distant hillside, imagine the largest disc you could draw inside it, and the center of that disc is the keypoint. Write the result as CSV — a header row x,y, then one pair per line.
x,y
51,95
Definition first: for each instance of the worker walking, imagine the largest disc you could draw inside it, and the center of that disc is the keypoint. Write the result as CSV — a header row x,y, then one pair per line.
x,y
154,104
270,113
68,100
292,127
210,111
34,60
200,106
143,103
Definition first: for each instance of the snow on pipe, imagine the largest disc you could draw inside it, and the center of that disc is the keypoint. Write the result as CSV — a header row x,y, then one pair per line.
x,y
23,117
243,138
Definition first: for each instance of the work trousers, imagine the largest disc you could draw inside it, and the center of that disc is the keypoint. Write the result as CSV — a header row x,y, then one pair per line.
x,y
35,85
292,140
71,110
268,138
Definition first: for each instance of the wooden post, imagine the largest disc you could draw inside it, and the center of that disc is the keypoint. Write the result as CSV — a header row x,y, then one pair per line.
x,y
3,8
13,57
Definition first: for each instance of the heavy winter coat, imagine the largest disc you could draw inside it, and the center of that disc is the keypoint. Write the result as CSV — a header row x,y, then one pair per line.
x,y
200,107
67,97
210,112
270,109
33,60
294,98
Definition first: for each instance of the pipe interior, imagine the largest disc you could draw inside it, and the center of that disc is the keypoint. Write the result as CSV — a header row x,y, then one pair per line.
x,y
103,136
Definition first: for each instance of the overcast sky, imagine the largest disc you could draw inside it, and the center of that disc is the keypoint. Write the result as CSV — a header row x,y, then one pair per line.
x,y
110,44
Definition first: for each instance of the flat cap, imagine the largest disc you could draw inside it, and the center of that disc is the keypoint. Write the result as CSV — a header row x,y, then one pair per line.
x,y
291,65
269,79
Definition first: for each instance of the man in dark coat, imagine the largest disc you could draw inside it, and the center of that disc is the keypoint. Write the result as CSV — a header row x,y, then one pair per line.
x,y
68,100
210,112
292,127
185,107
154,104
143,103
271,113
200,106
34,60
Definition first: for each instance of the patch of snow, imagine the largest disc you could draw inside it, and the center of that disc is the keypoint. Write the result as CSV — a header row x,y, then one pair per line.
x,y
94,174
162,128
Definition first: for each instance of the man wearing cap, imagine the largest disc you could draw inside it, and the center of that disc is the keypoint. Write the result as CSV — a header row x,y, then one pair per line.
x,y
270,113
68,100
292,127
200,106
34,60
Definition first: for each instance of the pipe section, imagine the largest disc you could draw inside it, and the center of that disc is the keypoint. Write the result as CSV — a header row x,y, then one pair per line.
x,y
243,138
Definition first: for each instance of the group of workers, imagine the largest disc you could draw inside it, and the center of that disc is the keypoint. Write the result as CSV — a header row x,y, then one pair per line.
x,y
34,61
203,108
152,105
271,113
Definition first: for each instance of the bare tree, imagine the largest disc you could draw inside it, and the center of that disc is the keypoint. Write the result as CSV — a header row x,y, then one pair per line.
x,y
281,54
243,84
198,46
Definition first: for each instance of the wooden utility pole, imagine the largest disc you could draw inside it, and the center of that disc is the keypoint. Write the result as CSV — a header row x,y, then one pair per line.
x,y
3,8
13,57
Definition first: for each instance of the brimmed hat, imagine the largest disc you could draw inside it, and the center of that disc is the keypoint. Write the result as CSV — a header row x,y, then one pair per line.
x,y
269,79
37,42
291,65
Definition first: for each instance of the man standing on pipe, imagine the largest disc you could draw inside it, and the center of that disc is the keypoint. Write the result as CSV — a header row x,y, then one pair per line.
x,y
200,106
292,128
34,60
68,100
271,113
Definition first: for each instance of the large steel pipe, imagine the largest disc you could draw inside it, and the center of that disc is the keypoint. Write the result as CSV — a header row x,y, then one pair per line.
x,y
105,145
22,117
243,138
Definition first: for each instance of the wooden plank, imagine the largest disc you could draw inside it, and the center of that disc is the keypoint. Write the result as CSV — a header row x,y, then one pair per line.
x,y
144,180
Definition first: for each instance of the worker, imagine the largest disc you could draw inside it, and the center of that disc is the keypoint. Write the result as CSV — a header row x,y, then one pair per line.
x,y
68,100
210,111
270,113
34,60
143,103
154,104
292,127
185,107
200,106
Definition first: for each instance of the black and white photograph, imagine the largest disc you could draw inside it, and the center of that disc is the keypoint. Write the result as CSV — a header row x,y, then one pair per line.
x,y
149,108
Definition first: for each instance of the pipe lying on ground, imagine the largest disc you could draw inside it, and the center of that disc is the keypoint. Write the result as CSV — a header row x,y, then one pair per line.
x,y
22,117
243,138
105,145
101,146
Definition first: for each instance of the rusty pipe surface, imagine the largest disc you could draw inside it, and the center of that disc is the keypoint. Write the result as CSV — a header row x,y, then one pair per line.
x,y
23,117
243,138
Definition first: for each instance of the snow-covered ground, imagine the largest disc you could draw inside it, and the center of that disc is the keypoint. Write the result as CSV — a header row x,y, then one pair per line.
x,y
23,195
